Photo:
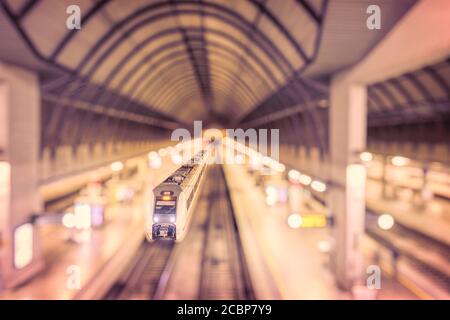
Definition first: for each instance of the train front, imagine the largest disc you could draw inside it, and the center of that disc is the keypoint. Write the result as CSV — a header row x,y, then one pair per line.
x,y
164,215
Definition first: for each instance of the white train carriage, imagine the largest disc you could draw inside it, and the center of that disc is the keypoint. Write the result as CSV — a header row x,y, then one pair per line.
x,y
175,198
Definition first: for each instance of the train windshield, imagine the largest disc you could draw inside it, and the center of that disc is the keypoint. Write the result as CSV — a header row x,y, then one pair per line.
x,y
165,206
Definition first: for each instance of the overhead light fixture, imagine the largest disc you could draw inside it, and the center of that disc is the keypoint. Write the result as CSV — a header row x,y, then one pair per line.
x,y
294,174
318,186
399,161
386,221
366,156
295,221
305,179
117,166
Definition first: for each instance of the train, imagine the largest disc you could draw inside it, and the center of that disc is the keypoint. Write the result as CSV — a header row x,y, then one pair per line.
x,y
175,199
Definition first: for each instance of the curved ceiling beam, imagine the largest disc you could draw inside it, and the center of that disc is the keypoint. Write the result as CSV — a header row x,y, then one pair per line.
x,y
232,39
174,83
249,90
202,5
274,55
387,95
378,98
401,90
235,19
166,72
115,104
216,74
372,103
438,79
111,76
186,84
155,66
103,58
99,94
284,31
145,78
219,17
169,32
180,100
135,95
69,35
162,72
221,81
419,86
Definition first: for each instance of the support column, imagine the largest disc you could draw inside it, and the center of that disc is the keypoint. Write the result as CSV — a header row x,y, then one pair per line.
x,y
396,54
348,112
19,145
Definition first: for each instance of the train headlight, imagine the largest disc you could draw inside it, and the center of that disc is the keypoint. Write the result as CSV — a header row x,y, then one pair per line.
x,y
155,219
172,219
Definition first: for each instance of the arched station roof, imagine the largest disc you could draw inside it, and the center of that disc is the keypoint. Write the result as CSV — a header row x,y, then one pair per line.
x,y
187,59
162,63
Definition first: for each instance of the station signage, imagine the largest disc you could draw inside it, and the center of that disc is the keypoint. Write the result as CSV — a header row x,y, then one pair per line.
x,y
314,220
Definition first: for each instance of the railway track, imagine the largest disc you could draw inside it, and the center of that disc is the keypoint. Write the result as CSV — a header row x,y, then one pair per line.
x,y
142,278
223,270
427,255
220,266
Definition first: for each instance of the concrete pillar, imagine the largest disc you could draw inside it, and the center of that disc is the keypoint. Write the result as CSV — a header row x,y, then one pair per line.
x,y
348,112
19,142
396,54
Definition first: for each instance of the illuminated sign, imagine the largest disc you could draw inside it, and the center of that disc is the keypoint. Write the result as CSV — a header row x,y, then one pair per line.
x,y
165,203
5,174
23,245
313,221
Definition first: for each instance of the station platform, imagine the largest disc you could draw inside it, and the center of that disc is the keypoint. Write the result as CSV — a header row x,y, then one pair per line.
x,y
420,237
300,270
97,258
431,219
283,262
